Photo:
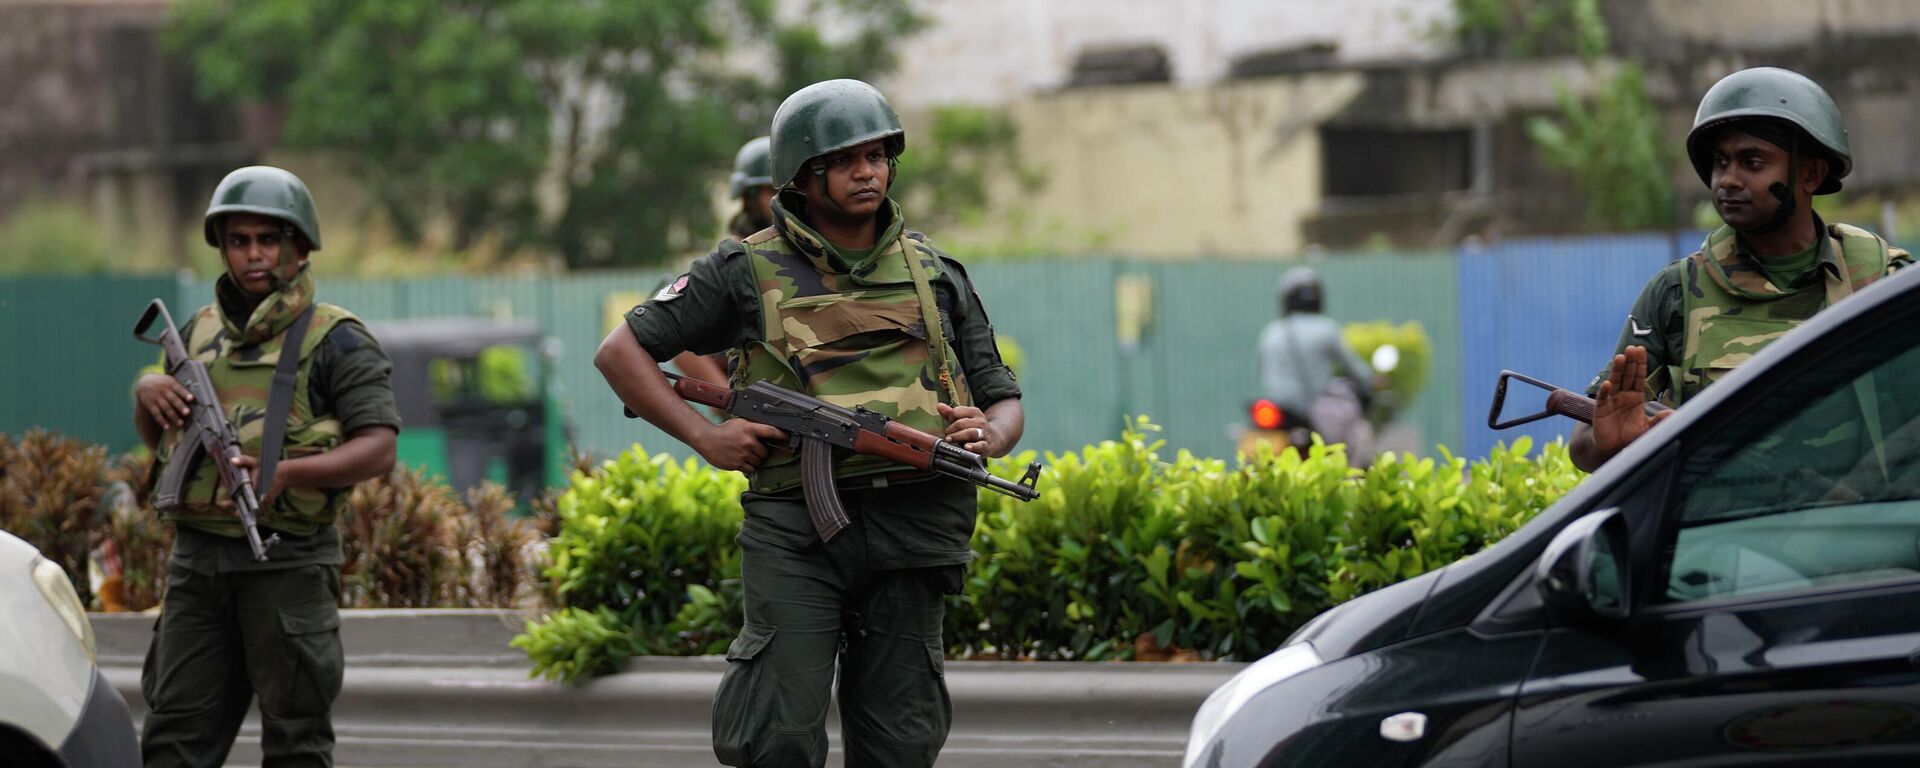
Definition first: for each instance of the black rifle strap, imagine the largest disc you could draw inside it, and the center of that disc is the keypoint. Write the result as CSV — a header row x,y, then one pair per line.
x,y
280,399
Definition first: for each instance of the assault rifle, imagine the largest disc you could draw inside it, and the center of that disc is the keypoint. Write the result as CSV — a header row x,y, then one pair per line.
x,y
1560,402
208,434
819,426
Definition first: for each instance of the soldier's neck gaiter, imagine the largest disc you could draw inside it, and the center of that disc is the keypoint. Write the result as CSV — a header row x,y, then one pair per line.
x,y
788,218
271,315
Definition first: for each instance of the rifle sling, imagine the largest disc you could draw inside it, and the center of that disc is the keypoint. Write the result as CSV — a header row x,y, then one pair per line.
x,y
280,399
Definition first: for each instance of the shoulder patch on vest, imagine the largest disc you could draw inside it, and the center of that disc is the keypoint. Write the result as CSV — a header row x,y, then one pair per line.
x,y
673,290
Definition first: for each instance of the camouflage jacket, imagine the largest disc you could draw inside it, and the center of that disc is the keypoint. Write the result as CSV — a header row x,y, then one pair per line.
x,y
1705,314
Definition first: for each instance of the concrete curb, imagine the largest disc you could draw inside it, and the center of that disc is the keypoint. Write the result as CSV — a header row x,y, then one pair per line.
x,y
442,688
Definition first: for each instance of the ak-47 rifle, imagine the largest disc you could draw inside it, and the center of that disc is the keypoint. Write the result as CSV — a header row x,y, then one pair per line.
x,y
819,426
208,434
1560,402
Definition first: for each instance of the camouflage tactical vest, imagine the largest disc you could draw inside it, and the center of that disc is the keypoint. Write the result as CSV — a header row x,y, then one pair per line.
x,y
875,340
242,376
1732,311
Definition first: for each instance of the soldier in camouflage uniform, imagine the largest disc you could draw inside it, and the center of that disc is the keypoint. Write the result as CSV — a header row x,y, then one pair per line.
x,y
840,300
231,628
1765,141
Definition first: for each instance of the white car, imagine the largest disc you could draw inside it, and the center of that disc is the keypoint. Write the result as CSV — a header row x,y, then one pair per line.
x,y
55,707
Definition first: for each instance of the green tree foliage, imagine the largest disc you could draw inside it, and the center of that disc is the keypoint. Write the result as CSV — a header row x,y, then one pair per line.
x,y
1612,143
593,128
43,237
954,165
1528,28
1614,149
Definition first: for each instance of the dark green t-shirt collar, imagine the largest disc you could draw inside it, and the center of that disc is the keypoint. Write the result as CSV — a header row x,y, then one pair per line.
x,y
1791,272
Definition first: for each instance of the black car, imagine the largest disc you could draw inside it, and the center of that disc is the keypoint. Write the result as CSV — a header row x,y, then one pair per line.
x,y
1741,586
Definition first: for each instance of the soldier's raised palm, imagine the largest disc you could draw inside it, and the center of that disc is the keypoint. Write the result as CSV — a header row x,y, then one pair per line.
x,y
1619,410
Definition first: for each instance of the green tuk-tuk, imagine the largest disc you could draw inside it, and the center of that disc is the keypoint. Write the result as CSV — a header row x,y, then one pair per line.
x,y
478,402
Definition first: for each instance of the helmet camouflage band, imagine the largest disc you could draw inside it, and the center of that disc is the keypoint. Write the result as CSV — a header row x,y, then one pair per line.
x,y
827,117
264,191
1770,93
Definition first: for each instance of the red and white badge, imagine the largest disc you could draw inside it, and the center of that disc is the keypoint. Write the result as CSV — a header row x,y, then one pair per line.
x,y
673,290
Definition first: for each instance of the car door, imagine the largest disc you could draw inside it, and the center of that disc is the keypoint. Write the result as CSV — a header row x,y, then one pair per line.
x,y
1776,617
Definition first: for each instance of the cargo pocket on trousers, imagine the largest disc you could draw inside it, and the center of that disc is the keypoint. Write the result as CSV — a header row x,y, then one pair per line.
x,y
319,663
744,707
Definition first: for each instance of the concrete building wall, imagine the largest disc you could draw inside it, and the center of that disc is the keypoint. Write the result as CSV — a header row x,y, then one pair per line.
x,y
998,51
94,111
1160,170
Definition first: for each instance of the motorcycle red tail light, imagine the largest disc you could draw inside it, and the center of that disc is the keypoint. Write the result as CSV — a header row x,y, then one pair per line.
x,y
1266,415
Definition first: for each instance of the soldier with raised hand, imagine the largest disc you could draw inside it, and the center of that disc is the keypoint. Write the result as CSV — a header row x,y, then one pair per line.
x,y
839,300
1765,141
232,629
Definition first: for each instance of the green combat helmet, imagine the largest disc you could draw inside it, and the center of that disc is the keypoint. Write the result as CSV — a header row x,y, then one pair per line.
x,y
827,117
266,191
1771,93
752,167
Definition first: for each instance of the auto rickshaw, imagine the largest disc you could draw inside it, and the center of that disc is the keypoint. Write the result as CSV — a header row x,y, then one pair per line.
x,y
478,402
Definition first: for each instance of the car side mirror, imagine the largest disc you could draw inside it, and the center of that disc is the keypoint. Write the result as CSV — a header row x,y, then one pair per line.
x,y
1584,575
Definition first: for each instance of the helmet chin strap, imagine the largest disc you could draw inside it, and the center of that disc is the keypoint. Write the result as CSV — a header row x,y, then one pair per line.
x,y
277,276
1782,192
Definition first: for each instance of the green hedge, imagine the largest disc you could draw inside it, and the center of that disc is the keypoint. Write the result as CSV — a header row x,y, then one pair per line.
x,y
1125,555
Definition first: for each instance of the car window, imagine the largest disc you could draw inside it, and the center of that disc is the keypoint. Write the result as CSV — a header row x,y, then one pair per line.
x,y
1816,484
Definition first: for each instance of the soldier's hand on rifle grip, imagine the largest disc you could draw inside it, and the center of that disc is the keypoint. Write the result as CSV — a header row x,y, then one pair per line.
x,y
738,444
969,428
265,495
1619,415
163,398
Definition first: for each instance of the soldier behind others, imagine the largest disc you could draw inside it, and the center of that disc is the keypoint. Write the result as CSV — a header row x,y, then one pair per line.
x,y
751,183
232,629
1765,141
837,299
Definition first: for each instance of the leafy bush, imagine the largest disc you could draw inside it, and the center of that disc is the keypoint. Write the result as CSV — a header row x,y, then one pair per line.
x,y
57,237
1407,378
133,558
411,543
407,542
50,492
1123,556
644,563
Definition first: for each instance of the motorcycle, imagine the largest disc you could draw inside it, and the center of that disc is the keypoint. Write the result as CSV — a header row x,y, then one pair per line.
x,y
1268,423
